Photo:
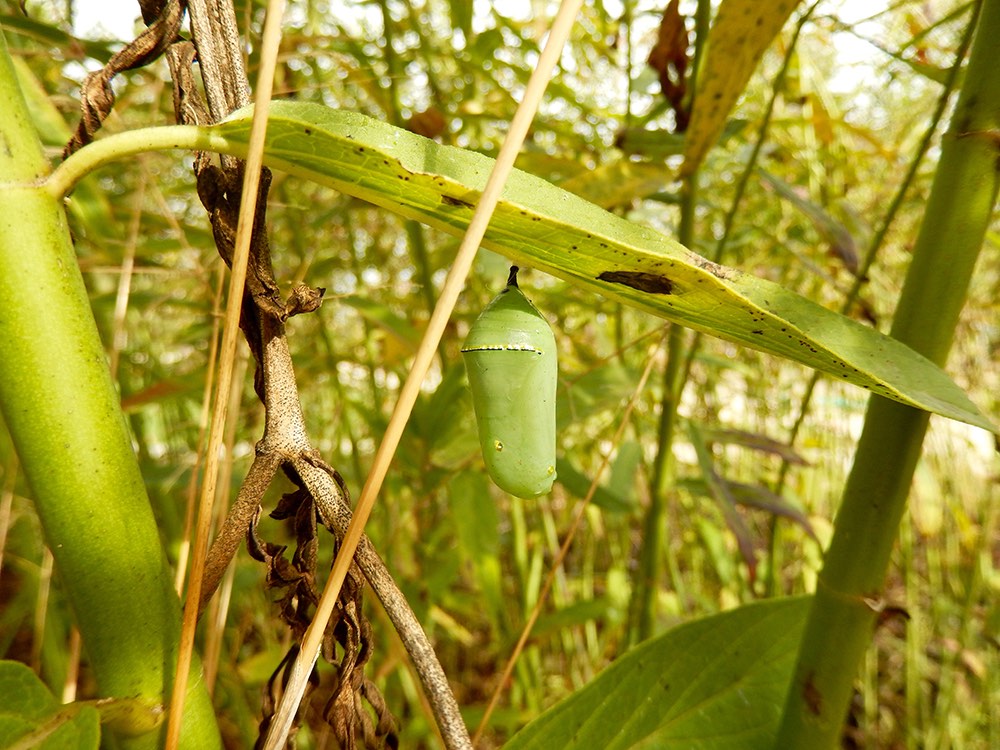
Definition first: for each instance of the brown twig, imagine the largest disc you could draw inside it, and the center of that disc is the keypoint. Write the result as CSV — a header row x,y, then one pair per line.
x,y
285,442
96,95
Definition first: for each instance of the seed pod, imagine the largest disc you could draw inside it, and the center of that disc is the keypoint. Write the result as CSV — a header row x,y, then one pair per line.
x,y
510,355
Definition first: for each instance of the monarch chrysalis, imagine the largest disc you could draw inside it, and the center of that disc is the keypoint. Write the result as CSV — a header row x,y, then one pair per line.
x,y
510,354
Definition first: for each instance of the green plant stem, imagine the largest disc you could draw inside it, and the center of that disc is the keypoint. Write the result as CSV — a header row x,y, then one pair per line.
x,y
646,581
868,259
848,595
64,417
642,609
116,147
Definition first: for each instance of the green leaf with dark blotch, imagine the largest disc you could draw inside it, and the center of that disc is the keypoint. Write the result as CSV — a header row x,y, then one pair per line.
x,y
31,717
718,683
538,225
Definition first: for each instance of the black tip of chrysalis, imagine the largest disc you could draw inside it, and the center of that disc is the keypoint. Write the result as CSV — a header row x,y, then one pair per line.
x,y
512,279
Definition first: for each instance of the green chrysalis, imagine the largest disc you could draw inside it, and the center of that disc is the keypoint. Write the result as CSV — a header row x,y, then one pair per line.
x,y
510,354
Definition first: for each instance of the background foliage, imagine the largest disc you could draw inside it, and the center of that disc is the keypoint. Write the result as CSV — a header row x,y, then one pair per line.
x,y
470,559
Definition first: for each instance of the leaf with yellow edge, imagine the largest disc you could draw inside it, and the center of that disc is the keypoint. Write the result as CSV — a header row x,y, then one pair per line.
x,y
742,31
539,225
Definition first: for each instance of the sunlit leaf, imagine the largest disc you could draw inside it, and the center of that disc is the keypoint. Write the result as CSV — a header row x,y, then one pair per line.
x,y
31,717
741,32
539,225
714,684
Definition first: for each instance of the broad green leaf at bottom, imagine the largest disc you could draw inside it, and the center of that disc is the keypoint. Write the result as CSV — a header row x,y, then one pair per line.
x,y
30,716
717,683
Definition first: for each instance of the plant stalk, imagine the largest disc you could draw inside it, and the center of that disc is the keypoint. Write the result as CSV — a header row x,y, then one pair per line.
x,y
848,598
645,581
63,413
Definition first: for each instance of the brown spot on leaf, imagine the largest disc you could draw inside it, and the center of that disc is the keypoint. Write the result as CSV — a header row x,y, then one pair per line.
x,y
430,123
450,201
812,696
651,283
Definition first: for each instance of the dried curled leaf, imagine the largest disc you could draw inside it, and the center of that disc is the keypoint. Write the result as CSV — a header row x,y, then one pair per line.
x,y
350,699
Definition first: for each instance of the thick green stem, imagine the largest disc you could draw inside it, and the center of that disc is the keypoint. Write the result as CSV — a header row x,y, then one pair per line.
x,y
642,613
848,593
61,408
868,259
642,608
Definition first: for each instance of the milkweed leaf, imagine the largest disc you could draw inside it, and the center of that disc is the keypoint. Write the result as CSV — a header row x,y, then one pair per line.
x,y
539,225
716,683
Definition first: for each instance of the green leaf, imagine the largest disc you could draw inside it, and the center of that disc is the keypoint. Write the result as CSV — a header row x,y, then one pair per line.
x,y
719,491
31,717
754,441
380,316
601,388
578,483
659,144
753,496
537,224
461,16
603,608
832,231
718,683
618,183
445,421
621,478
18,24
477,524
